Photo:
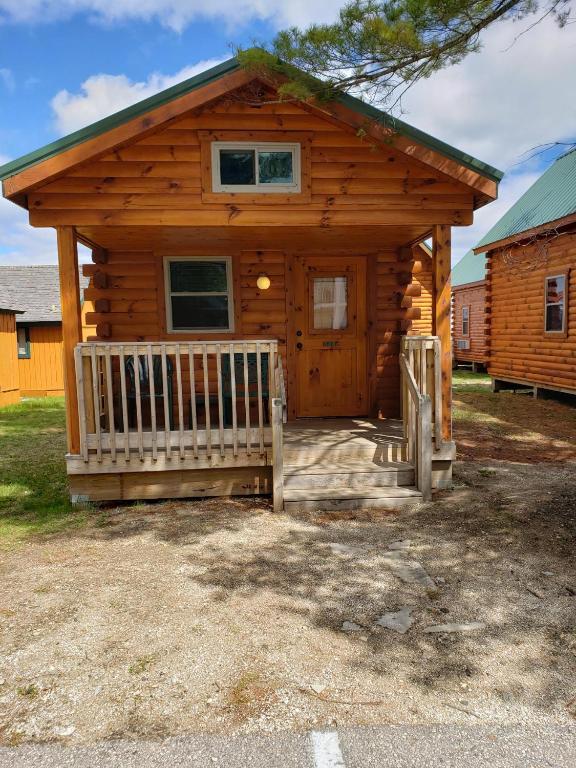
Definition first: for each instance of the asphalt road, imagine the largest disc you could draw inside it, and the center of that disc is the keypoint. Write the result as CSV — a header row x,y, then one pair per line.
x,y
445,746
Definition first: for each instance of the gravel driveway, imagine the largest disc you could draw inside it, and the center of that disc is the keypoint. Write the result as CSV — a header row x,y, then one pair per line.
x,y
222,617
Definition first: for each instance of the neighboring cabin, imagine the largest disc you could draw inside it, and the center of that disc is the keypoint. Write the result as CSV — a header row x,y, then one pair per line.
x,y
531,285
35,290
469,333
9,382
254,258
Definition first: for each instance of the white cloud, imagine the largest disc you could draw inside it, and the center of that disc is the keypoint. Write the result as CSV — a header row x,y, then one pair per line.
x,y
505,100
102,95
7,78
174,14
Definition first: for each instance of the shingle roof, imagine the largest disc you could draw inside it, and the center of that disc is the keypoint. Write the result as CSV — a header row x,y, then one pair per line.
x,y
551,197
35,290
470,269
210,75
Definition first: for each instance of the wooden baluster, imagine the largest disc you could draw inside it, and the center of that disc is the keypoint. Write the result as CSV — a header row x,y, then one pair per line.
x,y
180,404
124,398
96,401
247,401
207,401
193,412
233,395
110,394
138,404
260,397
437,394
423,368
152,386
78,364
167,404
220,403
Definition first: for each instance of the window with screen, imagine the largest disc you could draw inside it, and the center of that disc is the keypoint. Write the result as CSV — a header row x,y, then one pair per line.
x,y
199,294
23,338
555,304
247,167
330,303
465,321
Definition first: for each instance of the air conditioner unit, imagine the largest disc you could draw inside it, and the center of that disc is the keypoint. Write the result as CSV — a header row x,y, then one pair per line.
x,y
463,344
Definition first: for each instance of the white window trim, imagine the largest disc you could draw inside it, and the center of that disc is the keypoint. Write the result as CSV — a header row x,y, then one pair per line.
x,y
263,146
466,310
556,303
168,294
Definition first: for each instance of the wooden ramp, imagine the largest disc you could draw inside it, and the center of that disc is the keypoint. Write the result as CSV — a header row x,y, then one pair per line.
x,y
347,464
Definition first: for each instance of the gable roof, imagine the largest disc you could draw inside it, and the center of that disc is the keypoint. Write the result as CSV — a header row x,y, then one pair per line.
x,y
470,269
550,198
211,75
35,290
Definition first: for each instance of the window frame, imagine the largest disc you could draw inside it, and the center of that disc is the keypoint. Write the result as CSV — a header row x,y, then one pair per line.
x,y
27,355
465,311
294,147
168,293
564,273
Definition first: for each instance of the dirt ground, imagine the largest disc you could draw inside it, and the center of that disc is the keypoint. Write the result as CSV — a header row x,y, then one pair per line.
x,y
221,616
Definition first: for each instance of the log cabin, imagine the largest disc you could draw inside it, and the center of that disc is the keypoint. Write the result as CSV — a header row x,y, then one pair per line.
x,y
530,286
9,382
35,290
266,319
469,335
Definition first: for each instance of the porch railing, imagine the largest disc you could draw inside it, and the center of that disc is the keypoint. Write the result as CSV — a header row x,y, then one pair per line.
x,y
156,403
421,405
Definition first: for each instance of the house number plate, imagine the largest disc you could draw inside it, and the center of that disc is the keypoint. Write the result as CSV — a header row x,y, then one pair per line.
x,y
329,343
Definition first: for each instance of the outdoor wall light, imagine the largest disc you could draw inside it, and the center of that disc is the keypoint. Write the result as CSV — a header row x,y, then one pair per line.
x,y
263,281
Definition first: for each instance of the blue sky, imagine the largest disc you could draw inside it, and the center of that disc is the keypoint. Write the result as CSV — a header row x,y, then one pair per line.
x,y
65,63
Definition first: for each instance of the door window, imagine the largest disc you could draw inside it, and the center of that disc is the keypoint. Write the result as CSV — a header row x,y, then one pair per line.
x,y
330,303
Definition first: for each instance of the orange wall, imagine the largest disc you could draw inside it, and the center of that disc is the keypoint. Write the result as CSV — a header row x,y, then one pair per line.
x,y
41,374
9,387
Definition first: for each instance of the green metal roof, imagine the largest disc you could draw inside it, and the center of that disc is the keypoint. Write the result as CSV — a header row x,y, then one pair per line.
x,y
551,197
470,269
142,107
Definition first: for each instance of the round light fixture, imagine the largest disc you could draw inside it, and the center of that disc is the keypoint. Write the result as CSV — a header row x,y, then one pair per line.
x,y
263,281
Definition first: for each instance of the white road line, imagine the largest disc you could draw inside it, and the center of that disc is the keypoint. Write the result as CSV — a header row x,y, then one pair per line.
x,y
326,746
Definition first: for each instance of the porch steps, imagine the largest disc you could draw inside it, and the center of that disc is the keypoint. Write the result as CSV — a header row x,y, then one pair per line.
x,y
351,484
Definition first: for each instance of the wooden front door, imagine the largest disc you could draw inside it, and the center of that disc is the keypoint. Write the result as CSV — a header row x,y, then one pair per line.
x,y
330,336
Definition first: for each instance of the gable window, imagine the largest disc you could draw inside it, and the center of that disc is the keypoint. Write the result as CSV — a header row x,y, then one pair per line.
x,y
23,338
199,294
555,303
264,167
465,320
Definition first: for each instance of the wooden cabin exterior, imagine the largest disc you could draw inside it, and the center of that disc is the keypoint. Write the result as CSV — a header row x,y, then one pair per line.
x,y
9,381
469,332
530,286
258,263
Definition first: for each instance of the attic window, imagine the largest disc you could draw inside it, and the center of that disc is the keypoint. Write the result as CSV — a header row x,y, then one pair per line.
x,y
266,167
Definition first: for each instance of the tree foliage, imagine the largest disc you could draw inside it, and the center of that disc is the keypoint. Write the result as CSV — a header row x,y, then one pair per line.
x,y
378,48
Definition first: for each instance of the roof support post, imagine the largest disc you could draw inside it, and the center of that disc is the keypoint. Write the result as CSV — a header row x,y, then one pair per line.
x,y
441,267
71,328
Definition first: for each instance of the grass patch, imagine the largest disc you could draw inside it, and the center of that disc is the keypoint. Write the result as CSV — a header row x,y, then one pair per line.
x,y
466,381
141,665
33,490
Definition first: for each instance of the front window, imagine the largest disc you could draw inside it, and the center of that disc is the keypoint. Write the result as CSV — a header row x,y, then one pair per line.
x,y
199,294
330,303
555,300
246,167
23,338
465,321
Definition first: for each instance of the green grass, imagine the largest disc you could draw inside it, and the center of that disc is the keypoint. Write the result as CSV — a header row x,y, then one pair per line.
x,y
33,492
466,381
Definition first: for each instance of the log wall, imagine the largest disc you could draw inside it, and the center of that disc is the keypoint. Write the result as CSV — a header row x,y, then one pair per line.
x,y
519,348
474,297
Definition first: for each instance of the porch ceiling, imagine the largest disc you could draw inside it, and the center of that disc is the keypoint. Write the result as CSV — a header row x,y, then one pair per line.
x,y
286,238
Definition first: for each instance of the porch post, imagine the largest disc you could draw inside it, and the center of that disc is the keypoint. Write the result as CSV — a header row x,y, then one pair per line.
x,y
71,328
441,265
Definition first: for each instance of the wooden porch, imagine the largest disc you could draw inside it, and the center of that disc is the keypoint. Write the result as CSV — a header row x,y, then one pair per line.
x,y
209,418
